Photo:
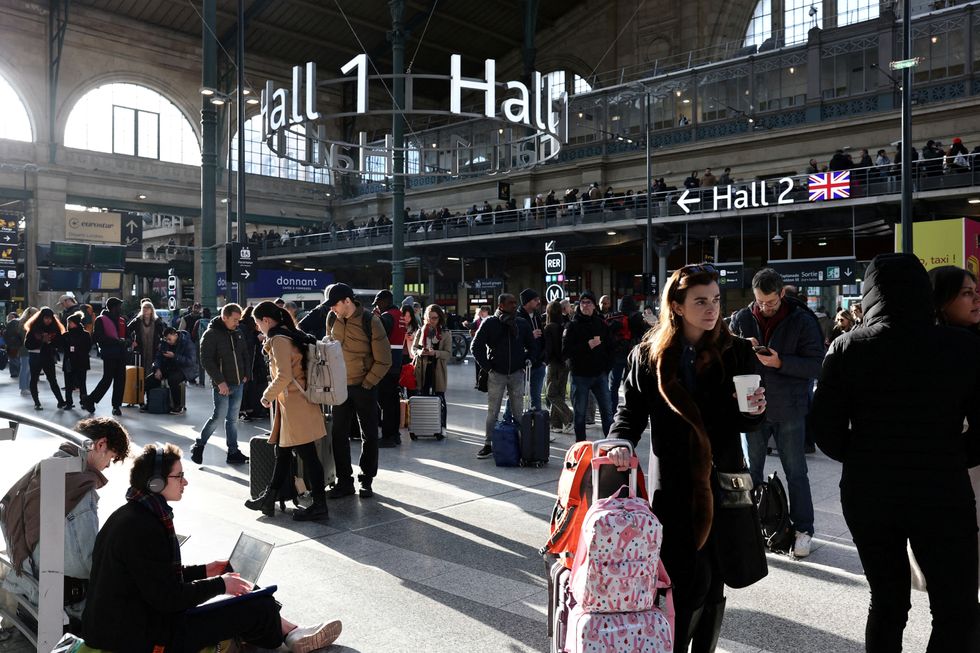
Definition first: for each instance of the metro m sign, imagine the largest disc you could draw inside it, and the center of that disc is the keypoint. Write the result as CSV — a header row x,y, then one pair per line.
x,y
554,263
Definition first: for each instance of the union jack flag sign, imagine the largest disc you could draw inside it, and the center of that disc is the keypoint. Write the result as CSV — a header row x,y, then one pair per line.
x,y
830,185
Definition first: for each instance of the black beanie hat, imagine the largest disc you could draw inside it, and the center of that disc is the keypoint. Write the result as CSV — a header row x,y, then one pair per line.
x,y
527,295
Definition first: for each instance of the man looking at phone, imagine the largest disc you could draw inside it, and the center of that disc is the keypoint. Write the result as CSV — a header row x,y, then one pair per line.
x,y
789,348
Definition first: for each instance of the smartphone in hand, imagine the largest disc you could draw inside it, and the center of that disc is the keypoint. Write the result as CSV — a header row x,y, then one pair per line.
x,y
762,350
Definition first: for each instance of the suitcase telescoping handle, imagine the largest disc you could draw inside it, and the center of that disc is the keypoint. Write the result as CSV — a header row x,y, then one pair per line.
x,y
598,460
527,383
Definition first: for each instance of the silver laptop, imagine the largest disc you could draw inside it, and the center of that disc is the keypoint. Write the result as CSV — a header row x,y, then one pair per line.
x,y
249,557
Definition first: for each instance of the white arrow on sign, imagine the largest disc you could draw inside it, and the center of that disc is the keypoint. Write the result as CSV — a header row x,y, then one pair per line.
x,y
848,272
683,200
6,239
6,284
132,226
246,274
549,245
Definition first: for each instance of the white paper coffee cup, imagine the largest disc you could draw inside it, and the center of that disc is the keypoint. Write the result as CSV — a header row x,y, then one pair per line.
x,y
745,386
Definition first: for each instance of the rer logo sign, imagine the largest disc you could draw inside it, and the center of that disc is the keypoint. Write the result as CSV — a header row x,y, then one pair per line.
x,y
554,263
554,292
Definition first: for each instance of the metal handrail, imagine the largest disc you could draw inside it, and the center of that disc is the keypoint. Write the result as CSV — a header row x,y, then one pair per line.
x,y
51,570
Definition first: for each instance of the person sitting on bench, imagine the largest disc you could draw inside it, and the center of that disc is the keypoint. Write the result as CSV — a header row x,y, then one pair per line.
x,y
141,595
20,515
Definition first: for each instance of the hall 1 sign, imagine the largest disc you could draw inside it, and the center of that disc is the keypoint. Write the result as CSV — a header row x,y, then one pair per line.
x,y
841,271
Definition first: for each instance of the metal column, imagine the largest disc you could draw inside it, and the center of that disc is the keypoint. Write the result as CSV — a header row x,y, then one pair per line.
x,y
907,162
207,284
240,103
397,36
648,247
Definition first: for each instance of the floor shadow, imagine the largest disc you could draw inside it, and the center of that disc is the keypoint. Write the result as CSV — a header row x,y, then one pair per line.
x,y
225,475
801,568
772,633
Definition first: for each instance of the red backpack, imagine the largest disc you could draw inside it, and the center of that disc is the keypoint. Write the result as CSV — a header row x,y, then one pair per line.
x,y
574,497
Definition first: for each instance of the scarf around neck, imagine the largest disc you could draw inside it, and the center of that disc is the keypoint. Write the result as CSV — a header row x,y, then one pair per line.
x,y
160,509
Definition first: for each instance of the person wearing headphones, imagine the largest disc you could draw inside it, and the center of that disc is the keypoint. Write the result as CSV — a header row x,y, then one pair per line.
x,y
141,593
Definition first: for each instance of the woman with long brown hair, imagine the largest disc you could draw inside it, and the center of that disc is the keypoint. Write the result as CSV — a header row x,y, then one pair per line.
x,y
432,349
43,331
680,377
296,423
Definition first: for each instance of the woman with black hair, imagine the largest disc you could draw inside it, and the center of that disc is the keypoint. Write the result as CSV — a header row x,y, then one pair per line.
x,y
680,376
296,424
955,298
44,331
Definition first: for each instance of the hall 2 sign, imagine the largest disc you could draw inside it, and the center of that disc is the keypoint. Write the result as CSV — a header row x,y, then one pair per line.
x,y
726,198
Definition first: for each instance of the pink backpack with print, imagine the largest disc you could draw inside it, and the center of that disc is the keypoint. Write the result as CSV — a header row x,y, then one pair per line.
x,y
617,576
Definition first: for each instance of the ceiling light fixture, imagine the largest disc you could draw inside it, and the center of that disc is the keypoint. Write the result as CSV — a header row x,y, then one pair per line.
x,y
975,200
217,101
252,100
206,91
610,233
288,261
141,196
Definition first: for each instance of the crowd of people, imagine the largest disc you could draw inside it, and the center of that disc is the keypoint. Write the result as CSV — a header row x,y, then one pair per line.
x,y
862,395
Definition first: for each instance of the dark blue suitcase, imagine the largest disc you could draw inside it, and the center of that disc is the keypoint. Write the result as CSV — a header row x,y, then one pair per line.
x,y
506,443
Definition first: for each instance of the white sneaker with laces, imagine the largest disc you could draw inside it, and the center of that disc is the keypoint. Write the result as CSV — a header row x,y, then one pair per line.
x,y
304,639
801,548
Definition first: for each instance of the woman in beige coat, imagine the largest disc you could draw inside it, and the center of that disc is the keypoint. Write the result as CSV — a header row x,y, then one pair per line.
x,y
296,423
432,348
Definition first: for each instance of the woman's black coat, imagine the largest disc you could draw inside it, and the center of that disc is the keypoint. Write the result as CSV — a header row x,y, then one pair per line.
x,y
134,599
690,434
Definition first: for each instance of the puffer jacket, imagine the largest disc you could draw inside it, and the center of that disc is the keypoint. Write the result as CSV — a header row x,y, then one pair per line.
x,y
225,354
893,394
185,356
367,360
583,360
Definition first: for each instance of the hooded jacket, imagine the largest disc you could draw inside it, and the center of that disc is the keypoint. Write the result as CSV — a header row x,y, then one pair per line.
x,y
224,354
536,321
798,340
583,360
894,392
184,358
111,345
499,347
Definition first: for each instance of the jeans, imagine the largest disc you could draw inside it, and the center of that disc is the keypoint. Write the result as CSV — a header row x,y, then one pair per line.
x,y
789,441
561,414
227,404
616,378
363,403
538,375
582,386
24,376
944,540
46,365
14,363
497,383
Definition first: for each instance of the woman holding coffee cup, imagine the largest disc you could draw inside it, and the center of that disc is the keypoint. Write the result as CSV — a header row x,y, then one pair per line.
x,y
683,376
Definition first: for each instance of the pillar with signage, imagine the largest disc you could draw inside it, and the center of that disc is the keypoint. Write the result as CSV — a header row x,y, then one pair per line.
x,y
554,273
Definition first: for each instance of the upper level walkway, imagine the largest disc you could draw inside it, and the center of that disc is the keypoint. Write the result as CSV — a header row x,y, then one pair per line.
x,y
444,557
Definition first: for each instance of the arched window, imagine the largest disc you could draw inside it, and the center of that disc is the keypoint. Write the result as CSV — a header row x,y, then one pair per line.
x,y
260,160
760,25
14,121
855,11
132,120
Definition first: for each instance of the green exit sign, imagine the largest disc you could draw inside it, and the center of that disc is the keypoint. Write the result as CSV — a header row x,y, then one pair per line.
x,y
905,63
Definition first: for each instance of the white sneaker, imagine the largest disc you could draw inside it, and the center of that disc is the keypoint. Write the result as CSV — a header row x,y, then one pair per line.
x,y
304,639
801,548
568,428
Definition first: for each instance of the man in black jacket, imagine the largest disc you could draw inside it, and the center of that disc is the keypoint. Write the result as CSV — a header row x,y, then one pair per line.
x,y
224,355
530,302
503,344
891,405
110,336
586,346
791,353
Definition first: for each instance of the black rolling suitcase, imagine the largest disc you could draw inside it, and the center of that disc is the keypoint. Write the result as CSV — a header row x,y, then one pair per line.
x,y
535,430
261,462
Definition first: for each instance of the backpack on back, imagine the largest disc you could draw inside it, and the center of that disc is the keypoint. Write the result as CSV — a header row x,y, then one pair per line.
x,y
777,530
326,373
622,335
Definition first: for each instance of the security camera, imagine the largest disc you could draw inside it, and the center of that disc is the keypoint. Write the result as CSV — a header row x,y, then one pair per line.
x,y
813,11
778,239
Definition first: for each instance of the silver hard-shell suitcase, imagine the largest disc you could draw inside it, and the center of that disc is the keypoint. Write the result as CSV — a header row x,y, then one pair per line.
x,y
425,417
